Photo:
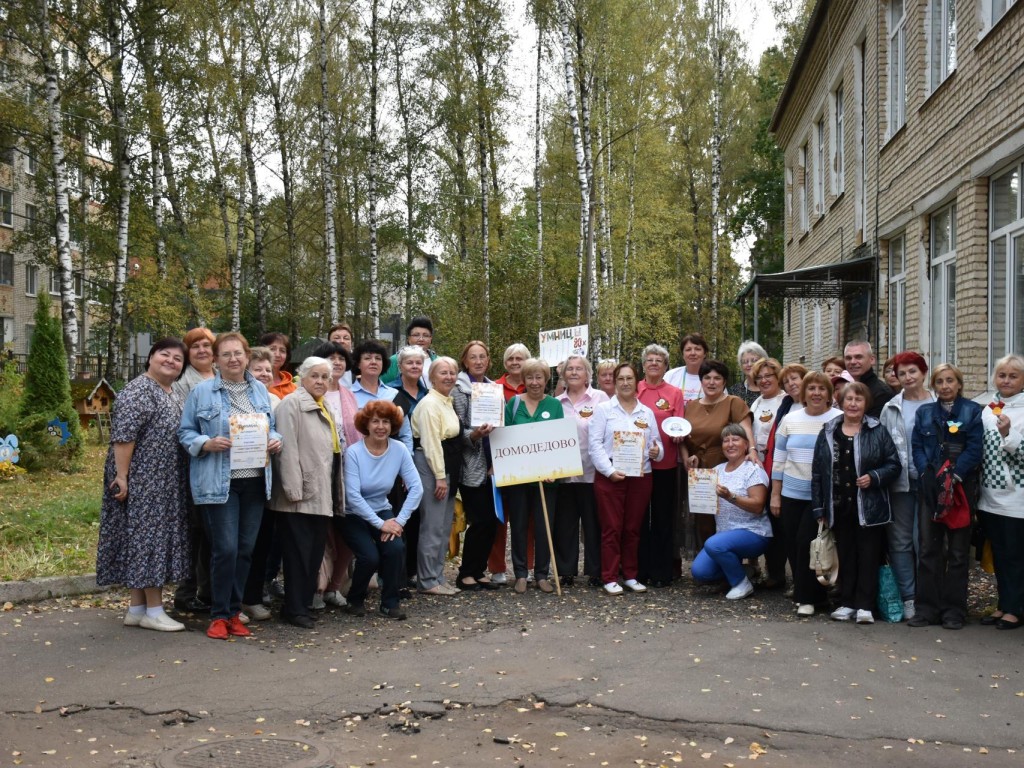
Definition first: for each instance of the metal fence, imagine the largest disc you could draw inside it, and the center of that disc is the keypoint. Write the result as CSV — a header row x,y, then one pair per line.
x,y
91,366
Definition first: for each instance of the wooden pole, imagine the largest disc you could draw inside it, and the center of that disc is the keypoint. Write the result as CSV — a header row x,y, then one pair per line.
x,y
547,529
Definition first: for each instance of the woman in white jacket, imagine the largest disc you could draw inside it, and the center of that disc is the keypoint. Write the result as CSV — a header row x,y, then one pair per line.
x,y
1002,489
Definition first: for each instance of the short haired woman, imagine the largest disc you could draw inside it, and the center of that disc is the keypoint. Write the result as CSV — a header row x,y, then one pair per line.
x,y
606,376
280,347
369,359
695,350
372,527
199,365
746,388
143,536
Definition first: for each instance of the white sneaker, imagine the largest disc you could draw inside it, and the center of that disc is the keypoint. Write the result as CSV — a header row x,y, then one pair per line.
x,y
741,590
805,609
161,623
335,598
908,609
258,611
635,585
133,619
613,588
318,603
243,617
499,578
865,617
842,614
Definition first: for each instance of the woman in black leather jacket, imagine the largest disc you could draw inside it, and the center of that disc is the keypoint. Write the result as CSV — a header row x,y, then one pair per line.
x,y
855,460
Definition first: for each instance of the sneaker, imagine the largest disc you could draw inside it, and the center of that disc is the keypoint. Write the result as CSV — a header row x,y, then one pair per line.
x,y
393,613
865,617
613,588
243,617
237,627
161,623
334,598
843,614
354,610
499,578
741,590
805,609
318,602
218,629
908,609
133,619
259,611
635,585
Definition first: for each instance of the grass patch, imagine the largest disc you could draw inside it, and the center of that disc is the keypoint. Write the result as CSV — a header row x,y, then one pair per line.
x,y
50,521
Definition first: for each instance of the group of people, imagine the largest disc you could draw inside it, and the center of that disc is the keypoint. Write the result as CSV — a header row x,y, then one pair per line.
x,y
225,470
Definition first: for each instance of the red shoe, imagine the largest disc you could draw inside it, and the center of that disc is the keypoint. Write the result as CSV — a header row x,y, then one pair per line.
x,y
237,628
218,629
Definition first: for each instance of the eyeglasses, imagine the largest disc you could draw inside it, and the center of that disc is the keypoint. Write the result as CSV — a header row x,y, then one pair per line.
x,y
232,355
421,335
765,377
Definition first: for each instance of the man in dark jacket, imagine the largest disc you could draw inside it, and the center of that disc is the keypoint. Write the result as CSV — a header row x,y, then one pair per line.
x,y
860,362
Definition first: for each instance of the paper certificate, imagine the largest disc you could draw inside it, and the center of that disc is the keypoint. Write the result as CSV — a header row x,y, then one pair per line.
x,y
249,435
703,484
486,405
628,452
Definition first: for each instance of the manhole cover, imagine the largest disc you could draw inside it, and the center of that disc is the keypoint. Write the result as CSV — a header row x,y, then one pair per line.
x,y
249,753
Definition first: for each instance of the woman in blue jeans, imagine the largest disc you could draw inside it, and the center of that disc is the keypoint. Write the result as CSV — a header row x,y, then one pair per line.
x,y
742,526
228,495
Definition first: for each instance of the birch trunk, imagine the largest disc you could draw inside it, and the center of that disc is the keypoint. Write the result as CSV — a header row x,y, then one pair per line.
x,y
117,299
236,263
157,168
371,176
716,149
407,145
330,195
482,144
220,191
62,206
537,190
590,306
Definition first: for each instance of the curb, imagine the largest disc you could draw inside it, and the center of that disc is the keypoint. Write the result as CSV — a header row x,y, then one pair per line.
x,y
49,587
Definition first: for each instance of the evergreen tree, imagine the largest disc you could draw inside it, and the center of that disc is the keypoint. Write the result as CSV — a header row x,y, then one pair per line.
x,y
47,396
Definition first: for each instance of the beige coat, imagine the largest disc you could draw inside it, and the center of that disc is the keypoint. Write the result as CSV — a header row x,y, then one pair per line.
x,y
302,470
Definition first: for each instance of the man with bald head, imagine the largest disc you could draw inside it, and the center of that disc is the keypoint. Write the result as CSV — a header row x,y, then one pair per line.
x,y
860,362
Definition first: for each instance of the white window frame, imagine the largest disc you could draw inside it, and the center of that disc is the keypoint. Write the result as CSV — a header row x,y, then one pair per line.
x,y
896,76
6,208
1006,334
54,285
801,191
789,199
992,11
6,268
819,166
942,288
838,147
31,215
31,162
941,33
897,294
31,280
860,182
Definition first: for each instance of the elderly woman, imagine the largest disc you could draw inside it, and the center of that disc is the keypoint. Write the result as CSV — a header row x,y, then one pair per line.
x,y
606,376
280,347
695,351
899,416
438,458
261,366
657,535
622,499
576,494
308,486
854,462
742,529
475,485
766,373
409,385
193,592
948,430
747,355
229,498
833,366
791,484
523,502
372,526
1002,494
341,333
143,538
369,359
889,375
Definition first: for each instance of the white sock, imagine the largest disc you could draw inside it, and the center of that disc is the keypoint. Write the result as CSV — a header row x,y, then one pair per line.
x,y
136,610
154,612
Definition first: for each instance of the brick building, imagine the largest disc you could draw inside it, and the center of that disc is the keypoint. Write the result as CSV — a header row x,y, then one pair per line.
x,y
902,124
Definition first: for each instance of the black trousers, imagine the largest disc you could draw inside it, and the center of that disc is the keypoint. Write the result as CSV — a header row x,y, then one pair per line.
x,y
478,505
860,552
576,508
386,558
198,582
303,538
943,562
522,502
253,594
799,527
410,533
657,535
1007,537
775,557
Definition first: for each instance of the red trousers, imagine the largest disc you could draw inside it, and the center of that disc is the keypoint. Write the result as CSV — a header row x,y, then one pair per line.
x,y
620,509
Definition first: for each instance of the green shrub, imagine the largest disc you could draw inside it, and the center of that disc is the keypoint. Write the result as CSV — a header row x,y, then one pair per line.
x,y
12,384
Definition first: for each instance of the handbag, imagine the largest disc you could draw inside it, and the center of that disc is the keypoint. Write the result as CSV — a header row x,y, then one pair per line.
x,y
890,603
824,559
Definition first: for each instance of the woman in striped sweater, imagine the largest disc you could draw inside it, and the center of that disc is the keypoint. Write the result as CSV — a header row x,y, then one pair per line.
x,y
791,484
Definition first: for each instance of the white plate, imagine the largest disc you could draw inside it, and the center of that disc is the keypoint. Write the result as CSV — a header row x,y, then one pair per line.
x,y
676,426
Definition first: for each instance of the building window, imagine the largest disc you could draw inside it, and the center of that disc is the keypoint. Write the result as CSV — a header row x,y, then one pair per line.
x,y
819,168
838,142
943,286
55,282
31,279
801,192
30,330
1006,264
31,163
994,10
6,208
941,36
860,162
6,330
897,66
897,294
789,199
6,269
31,215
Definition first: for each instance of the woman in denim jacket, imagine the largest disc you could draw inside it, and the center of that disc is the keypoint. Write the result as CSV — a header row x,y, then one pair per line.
x,y
947,430
230,501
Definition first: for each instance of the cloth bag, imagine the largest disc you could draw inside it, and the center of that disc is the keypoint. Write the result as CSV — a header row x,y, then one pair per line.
x,y
824,558
890,603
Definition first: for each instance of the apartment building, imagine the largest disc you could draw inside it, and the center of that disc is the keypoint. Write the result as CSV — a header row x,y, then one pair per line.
x,y
902,125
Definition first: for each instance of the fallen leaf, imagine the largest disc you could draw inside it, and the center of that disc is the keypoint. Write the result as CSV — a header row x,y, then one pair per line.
x,y
757,749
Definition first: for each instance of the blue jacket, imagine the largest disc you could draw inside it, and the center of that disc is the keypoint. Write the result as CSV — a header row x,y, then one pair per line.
x,y
206,415
932,428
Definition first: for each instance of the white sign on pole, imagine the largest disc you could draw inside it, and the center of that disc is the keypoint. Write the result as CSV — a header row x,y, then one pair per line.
x,y
528,453
556,345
